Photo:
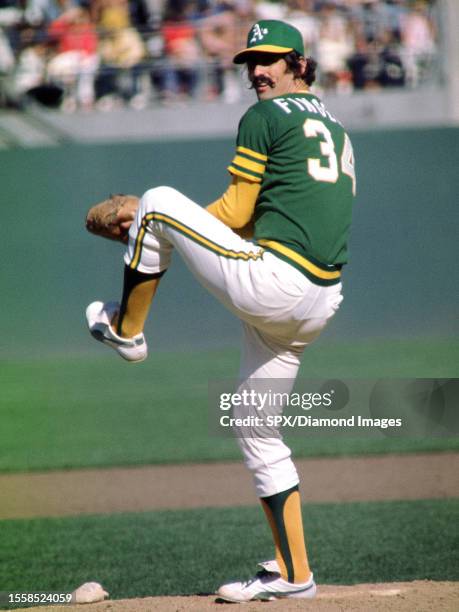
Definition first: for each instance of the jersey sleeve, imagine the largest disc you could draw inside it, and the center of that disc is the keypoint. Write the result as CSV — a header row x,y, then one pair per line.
x,y
251,147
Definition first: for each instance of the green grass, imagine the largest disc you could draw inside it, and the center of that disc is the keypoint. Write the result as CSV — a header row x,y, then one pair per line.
x,y
178,552
87,411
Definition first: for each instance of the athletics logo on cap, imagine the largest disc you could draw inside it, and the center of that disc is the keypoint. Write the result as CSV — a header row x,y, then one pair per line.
x,y
271,36
257,33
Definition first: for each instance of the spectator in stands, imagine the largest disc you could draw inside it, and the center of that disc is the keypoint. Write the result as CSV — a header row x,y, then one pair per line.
x,y
300,14
134,12
395,10
334,46
42,12
245,16
10,19
392,70
6,54
10,13
377,63
217,38
29,72
371,15
7,63
418,38
121,52
267,9
180,72
140,16
76,59
364,64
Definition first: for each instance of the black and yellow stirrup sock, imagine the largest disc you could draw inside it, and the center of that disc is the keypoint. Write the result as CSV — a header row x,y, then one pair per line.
x,y
283,511
135,301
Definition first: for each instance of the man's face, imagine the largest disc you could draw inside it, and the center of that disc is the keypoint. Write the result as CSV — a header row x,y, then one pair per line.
x,y
269,75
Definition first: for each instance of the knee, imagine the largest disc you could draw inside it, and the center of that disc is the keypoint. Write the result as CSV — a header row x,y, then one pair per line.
x,y
155,198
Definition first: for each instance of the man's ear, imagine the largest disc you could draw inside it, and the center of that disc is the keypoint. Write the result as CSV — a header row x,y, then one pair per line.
x,y
302,63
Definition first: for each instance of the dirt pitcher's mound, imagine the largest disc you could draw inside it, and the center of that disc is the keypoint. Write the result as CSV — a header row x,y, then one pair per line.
x,y
422,596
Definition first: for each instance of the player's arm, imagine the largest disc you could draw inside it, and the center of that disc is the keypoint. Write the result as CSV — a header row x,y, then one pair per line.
x,y
236,206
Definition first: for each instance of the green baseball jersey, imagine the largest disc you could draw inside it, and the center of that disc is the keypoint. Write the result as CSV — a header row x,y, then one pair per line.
x,y
304,161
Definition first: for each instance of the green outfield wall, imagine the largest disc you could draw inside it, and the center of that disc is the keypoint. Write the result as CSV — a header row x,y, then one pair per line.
x,y
402,279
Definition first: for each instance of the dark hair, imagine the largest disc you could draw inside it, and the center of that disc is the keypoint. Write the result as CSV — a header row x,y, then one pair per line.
x,y
309,75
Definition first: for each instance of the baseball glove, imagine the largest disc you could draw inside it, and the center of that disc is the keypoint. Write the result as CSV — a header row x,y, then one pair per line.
x,y
112,218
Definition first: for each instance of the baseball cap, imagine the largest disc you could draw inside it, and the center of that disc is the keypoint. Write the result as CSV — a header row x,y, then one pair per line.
x,y
271,36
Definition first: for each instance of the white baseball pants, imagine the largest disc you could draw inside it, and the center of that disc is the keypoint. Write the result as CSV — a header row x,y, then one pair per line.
x,y
281,310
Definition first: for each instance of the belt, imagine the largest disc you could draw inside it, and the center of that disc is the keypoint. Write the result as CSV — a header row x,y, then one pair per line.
x,y
318,273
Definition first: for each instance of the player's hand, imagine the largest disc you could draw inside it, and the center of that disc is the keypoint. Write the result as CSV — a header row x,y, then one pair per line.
x,y
112,218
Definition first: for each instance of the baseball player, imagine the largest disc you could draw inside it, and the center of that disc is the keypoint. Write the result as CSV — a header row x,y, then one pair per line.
x,y
271,249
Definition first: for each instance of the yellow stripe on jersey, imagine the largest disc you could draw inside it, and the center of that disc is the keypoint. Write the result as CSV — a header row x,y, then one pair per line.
x,y
249,164
187,231
247,175
300,260
251,153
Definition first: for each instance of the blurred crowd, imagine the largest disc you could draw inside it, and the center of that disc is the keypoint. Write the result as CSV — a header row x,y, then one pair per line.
x,y
103,54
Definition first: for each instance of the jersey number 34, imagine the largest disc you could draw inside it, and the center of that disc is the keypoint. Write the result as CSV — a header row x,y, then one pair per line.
x,y
313,128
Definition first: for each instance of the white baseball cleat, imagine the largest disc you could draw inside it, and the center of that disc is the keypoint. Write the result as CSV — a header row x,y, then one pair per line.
x,y
99,317
267,585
